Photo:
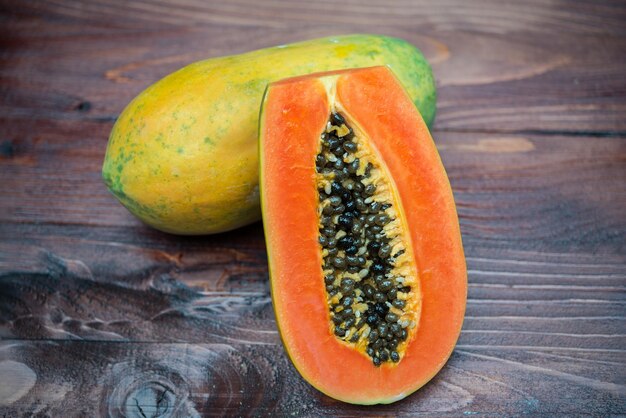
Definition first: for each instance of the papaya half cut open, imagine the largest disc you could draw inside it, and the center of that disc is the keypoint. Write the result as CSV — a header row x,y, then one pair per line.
x,y
368,276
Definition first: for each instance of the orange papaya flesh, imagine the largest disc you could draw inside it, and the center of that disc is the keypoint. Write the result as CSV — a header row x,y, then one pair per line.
x,y
301,117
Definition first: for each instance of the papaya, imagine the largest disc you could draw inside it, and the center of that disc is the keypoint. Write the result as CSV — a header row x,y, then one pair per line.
x,y
183,155
367,270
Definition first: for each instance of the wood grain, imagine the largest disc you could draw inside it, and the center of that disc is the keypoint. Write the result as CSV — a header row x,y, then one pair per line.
x,y
543,192
534,66
102,316
182,379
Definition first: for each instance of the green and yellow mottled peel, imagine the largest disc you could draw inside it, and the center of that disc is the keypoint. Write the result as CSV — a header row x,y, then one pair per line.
x,y
183,155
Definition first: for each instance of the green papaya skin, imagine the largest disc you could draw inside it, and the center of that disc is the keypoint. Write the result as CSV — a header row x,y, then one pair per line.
x,y
183,155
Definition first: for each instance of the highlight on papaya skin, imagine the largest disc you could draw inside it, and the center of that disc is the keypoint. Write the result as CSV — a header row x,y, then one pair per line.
x,y
312,130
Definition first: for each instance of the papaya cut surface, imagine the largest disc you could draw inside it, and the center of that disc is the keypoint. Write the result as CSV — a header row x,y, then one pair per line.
x,y
367,269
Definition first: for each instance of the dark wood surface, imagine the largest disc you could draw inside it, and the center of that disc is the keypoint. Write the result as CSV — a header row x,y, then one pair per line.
x,y
102,316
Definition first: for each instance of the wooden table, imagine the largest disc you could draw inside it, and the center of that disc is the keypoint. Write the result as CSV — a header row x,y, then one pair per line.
x,y
101,315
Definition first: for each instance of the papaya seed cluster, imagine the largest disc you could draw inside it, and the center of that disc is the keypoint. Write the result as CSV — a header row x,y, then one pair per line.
x,y
362,248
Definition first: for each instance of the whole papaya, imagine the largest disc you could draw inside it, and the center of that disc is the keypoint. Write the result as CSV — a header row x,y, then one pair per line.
x,y
183,155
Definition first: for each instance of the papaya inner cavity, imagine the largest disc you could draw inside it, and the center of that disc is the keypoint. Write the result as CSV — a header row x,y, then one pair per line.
x,y
369,273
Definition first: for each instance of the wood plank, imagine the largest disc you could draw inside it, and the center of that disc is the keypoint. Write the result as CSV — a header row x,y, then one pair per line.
x,y
532,192
57,285
500,66
235,380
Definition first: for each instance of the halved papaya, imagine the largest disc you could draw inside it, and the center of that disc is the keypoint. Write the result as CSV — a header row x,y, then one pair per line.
x,y
368,275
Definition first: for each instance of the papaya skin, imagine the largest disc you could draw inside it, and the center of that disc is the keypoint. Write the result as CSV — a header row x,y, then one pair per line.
x,y
183,155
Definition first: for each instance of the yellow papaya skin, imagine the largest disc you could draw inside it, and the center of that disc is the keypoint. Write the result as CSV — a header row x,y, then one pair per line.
x,y
183,155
